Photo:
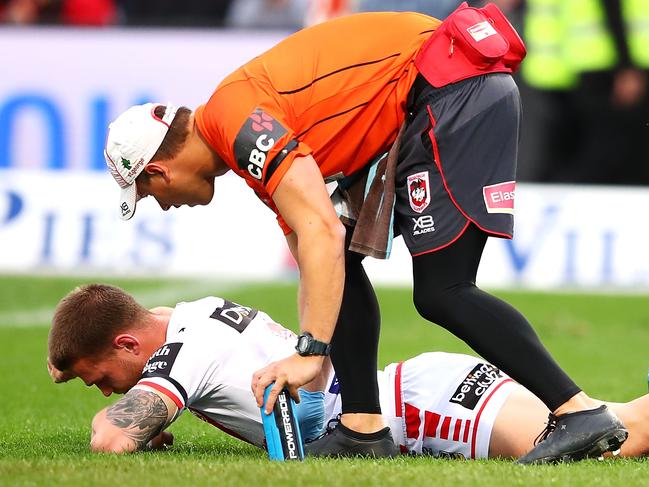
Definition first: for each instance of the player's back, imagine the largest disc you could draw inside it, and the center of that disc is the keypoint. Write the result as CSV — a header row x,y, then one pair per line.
x,y
213,347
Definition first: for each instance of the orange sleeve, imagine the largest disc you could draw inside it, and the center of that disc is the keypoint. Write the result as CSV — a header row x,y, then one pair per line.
x,y
266,199
251,130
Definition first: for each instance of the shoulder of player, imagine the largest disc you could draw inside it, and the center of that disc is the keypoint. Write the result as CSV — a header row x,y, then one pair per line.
x,y
197,320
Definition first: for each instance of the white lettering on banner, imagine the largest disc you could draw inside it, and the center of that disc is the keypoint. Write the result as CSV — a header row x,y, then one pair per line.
x,y
564,235
52,123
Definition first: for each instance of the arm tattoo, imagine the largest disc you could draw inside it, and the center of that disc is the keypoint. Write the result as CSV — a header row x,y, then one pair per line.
x,y
140,414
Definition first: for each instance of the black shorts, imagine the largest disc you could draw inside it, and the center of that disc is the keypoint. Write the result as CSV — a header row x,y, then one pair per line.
x,y
457,161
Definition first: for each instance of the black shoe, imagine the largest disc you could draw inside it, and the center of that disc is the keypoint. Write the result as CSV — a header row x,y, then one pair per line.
x,y
340,441
576,436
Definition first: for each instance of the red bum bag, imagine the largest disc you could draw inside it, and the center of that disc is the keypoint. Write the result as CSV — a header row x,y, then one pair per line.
x,y
470,42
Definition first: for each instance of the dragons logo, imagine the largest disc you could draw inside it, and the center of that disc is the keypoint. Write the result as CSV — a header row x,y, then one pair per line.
x,y
418,190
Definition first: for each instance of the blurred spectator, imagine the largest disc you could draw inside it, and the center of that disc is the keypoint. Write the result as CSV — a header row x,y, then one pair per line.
x,y
321,10
435,8
584,86
88,12
276,14
550,133
177,13
69,12
608,47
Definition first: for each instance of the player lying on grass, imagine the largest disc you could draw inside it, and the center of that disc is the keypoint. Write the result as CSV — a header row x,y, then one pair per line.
x,y
200,356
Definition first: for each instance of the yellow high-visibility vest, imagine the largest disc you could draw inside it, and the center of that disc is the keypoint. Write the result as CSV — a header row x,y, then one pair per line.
x,y
545,30
589,44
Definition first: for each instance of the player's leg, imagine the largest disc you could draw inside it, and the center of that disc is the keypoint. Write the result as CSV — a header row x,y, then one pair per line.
x,y
523,415
635,416
518,422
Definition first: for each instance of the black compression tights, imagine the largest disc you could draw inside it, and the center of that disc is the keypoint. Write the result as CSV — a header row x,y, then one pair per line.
x,y
445,293
356,340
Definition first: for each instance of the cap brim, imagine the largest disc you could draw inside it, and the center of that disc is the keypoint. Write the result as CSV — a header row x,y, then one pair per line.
x,y
127,202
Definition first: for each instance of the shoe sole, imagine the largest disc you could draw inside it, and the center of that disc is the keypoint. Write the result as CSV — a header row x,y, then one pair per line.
x,y
353,453
609,442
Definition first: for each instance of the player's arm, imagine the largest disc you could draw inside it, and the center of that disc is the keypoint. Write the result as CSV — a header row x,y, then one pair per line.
x,y
318,246
133,421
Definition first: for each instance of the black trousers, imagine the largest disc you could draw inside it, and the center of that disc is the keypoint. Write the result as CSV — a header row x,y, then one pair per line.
x,y
444,293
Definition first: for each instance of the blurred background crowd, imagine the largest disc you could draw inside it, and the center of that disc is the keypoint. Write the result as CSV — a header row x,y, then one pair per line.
x,y
584,82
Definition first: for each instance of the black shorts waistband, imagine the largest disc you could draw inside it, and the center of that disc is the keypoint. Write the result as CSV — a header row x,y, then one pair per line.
x,y
422,90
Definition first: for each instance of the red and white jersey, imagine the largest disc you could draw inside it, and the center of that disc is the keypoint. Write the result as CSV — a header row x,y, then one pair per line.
x,y
439,404
212,349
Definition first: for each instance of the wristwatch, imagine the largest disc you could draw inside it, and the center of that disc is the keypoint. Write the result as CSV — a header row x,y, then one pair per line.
x,y
307,345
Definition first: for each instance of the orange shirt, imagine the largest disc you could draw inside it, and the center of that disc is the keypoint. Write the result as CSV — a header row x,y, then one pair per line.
x,y
336,91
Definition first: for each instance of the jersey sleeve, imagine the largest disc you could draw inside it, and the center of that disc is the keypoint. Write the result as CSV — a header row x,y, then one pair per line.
x,y
175,370
249,125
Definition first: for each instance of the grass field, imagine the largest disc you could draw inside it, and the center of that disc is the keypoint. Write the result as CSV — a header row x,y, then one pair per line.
x,y
44,428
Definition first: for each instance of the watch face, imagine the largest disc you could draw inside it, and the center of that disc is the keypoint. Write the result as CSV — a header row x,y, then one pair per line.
x,y
302,344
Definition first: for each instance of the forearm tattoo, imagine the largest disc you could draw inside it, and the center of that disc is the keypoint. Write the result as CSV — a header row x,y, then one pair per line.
x,y
140,414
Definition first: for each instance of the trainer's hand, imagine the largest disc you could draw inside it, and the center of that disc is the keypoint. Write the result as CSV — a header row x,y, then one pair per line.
x,y
291,372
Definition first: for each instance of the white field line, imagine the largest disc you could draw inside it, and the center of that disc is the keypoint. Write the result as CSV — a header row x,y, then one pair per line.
x,y
167,295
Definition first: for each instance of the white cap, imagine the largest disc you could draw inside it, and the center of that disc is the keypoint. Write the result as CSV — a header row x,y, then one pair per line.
x,y
133,139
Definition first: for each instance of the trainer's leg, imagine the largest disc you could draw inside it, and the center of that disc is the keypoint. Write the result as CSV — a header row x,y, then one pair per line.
x,y
445,293
355,342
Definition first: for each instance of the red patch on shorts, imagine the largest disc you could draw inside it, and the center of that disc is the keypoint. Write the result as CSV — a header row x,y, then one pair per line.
x,y
499,198
419,191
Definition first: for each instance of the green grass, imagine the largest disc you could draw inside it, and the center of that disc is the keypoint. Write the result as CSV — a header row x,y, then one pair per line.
x,y
44,428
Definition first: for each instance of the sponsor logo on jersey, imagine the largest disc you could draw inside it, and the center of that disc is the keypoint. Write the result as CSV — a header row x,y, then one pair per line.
x,y
499,198
475,384
255,139
234,315
419,191
162,360
423,224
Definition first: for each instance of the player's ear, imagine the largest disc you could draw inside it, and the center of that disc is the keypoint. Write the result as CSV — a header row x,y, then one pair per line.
x,y
127,342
